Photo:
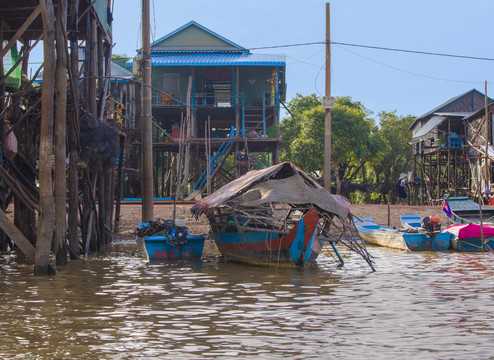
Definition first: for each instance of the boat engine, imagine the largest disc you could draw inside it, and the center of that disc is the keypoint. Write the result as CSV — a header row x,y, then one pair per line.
x,y
431,224
177,230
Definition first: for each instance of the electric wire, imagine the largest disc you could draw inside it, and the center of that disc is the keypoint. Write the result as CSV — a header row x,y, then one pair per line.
x,y
377,48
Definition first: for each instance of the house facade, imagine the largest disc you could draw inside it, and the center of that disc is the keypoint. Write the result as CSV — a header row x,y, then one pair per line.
x,y
214,102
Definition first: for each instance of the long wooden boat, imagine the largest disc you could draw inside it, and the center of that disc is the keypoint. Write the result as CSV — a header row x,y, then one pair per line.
x,y
299,246
278,216
396,238
468,237
465,211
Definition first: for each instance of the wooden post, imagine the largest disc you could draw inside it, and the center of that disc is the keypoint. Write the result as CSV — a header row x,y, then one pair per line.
x,y
187,129
60,247
389,208
4,243
119,190
487,167
73,130
147,138
101,209
46,201
93,68
327,112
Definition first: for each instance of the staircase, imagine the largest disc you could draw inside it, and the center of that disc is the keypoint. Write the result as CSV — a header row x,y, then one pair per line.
x,y
216,161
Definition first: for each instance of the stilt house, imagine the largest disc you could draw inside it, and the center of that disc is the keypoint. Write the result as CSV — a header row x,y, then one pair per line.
x,y
216,109
448,146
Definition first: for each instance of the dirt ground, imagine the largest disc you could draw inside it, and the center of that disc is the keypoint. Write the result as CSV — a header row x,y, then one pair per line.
x,y
131,215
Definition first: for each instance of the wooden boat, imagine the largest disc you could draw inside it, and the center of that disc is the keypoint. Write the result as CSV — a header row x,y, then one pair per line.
x,y
278,216
402,239
411,222
172,243
468,237
465,211
299,246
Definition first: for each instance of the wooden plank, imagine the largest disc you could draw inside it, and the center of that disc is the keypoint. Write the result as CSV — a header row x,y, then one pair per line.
x,y
21,30
17,237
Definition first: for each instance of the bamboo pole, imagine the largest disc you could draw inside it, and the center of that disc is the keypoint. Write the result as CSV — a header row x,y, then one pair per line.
x,y
47,204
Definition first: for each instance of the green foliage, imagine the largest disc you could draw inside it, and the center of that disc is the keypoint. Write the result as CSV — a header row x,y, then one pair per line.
x,y
303,135
393,151
366,157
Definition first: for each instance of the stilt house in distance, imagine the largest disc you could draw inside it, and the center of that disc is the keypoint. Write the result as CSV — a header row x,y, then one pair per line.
x,y
218,102
448,145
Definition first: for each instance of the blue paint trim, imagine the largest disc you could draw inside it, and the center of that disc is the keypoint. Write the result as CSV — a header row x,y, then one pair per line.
x,y
298,243
308,251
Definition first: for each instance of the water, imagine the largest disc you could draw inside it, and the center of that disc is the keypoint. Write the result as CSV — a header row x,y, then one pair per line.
x,y
118,306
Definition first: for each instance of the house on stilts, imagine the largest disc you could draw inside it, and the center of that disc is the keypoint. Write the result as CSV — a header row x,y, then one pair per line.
x,y
215,109
448,146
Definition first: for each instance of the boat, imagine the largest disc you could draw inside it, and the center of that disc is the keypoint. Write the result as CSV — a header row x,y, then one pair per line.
x,y
399,238
278,216
468,237
170,240
411,221
465,211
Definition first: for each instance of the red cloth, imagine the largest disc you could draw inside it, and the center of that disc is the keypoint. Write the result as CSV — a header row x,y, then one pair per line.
x,y
465,231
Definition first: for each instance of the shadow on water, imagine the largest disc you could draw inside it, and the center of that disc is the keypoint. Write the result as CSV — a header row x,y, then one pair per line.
x,y
117,305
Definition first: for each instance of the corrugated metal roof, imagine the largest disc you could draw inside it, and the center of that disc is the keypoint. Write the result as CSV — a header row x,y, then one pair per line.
x,y
466,105
216,60
428,126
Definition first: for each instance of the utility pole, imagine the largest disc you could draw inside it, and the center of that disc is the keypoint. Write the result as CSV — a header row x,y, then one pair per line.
x,y
146,126
327,104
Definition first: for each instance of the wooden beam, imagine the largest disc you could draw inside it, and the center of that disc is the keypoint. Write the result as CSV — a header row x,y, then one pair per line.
x,y
21,31
17,237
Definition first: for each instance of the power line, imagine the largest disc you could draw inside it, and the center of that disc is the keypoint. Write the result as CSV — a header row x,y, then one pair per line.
x,y
414,51
410,72
378,48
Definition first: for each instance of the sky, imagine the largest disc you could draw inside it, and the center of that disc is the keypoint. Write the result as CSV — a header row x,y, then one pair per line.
x,y
408,83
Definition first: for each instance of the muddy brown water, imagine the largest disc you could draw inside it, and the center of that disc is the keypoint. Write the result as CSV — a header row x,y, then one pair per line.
x,y
117,305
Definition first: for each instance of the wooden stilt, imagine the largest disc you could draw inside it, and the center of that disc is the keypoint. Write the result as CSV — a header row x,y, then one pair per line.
x,y
73,130
60,247
47,204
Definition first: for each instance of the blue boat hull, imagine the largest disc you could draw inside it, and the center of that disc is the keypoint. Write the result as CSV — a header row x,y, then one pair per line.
x,y
423,242
394,238
299,247
161,247
472,244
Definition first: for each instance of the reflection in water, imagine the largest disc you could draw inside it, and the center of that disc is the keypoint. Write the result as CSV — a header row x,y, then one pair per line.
x,y
119,306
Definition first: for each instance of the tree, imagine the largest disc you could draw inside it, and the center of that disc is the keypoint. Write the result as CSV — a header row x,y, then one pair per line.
x,y
303,137
292,125
393,151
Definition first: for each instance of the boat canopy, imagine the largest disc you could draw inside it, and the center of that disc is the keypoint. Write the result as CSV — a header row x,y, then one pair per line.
x,y
282,183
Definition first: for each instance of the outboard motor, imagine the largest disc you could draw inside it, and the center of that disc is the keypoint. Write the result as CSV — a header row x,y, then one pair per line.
x,y
431,224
